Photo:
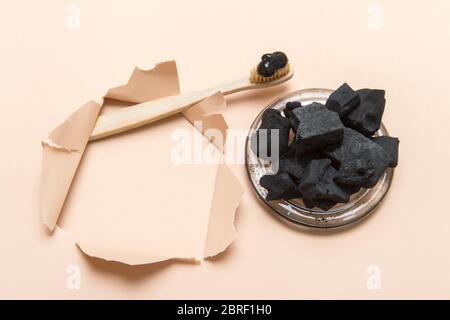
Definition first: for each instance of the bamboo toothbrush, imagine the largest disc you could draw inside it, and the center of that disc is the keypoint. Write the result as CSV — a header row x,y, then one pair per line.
x,y
273,69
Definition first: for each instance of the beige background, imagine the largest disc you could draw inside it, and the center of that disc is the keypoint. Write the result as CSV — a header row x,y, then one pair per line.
x,y
48,69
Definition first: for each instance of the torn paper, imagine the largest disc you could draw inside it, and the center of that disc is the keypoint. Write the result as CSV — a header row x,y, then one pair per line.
x,y
147,85
62,152
73,134
207,117
131,202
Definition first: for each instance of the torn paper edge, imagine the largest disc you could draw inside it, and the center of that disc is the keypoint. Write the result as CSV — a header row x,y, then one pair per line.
x,y
49,143
135,90
212,119
66,156
204,119
221,231
79,126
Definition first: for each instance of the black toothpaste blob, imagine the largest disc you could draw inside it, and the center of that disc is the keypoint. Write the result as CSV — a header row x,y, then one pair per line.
x,y
332,154
266,68
270,62
279,59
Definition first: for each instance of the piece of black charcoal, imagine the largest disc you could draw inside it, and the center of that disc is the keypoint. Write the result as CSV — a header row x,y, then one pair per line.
x,y
272,119
317,127
290,164
390,145
349,188
294,164
318,182
333,154
280,186
321,204
366,117
290,106
305,158
261,143
343,100
361,161
297,115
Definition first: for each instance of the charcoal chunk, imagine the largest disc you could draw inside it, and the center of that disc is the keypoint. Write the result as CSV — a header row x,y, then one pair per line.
x,y
318,182
288,111
343,100
297,113
305,158
333,153
290,164
361,161
291,105
280,186
349,188
272,119
261,141
317,127
321,204
294,164
366,117
390,145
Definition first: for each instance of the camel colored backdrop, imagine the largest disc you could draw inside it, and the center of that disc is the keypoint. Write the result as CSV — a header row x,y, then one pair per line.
x,y
56,55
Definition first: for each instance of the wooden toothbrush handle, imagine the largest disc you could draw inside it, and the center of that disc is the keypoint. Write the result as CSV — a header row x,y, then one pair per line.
x,y
147,112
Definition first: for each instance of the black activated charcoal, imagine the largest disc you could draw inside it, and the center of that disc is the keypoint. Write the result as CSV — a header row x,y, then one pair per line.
x,y
318,182
317,127
270,62
290,164
343,100
366,117
290,106
333,154
349,188
305,158
390,145
271,119
321,204
361,161
280,186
